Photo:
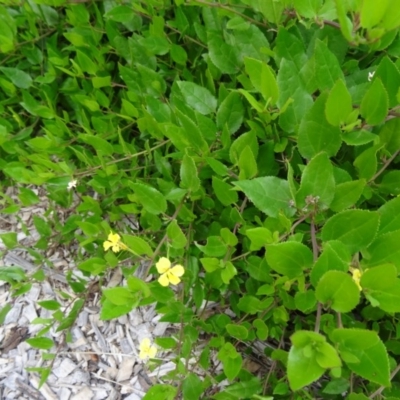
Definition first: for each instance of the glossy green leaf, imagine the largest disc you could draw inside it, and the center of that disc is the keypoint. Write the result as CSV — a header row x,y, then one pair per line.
x,y
338,105
189,175
223,55
368,348
215,247
263,79
390,216
327,67
138,245
317,183
259,237
224,191
382,285
385,249
291,88
40,343
18,77
151,199
316,134
176,236
198,97
247,164
338,290
372,13
269,194
347,194
389,74
192,387
161,392
354,228
375,103
237,331
231,112
289,258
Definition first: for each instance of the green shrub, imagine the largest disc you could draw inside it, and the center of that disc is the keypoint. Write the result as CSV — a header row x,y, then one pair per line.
x,y
256,145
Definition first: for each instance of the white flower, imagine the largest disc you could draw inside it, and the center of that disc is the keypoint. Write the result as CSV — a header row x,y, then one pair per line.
x,y
370,75
72,184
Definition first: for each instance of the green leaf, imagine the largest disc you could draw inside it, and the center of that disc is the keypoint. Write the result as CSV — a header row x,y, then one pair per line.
x,y
192,387
327,67
375,103
385,249
390,216
41,343
305,301
50,304
175,235
357,138
338,105
217,166
18,77
338,290
119,295
289,258
388,72
237,331
138,245
263,79
250,304
192,133
302,370
269,194
224,191
245,389
120,13
222,54
372,13
317,183
261,329
247,164
382,285
161,392
316,134
215,247
354,228
368,348
347,194
259,237
189,175
292,88
231,360
198,97
366,163
151,199
231,112
290,47
9,239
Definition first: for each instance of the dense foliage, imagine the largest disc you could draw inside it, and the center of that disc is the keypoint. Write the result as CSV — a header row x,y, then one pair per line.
x,y
255,143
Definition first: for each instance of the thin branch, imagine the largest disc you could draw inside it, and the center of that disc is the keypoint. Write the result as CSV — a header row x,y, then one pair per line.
x,y
385,166
382,388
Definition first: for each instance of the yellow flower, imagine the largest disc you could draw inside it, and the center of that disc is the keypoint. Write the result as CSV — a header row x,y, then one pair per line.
x,y
356,277
168,274
146,349
114,241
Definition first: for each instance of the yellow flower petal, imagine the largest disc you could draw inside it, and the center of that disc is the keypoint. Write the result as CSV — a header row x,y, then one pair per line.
x,y
145,344
173,278
152,351
146,349
114,237
163,265
178,270
163,280
107,245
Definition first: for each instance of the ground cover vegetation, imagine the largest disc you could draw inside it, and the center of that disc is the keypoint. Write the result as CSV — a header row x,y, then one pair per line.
x,y
255,143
